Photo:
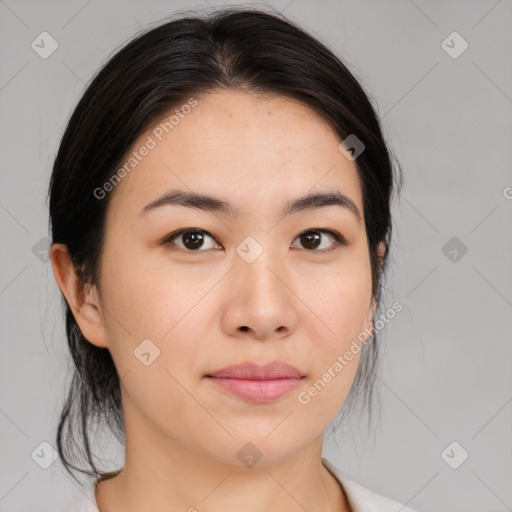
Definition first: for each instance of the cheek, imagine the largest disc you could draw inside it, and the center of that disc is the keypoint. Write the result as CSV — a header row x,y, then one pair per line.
x,y
340,304
146,301
166,308
339,301
152,338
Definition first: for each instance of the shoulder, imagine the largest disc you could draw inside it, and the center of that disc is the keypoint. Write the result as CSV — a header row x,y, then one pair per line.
x,y
361,498
84,501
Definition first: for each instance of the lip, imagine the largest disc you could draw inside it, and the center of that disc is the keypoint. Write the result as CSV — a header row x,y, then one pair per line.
x,y
256,383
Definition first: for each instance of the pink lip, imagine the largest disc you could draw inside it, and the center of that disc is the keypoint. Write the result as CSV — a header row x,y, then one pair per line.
x,y
258,383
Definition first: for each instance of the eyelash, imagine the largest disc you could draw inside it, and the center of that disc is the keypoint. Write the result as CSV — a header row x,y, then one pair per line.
x,y
339,240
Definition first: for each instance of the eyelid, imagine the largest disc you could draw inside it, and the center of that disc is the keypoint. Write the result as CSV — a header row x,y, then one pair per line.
x,y
340,240
168,239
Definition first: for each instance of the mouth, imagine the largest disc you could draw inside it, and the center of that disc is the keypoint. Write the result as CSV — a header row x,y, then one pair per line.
x,y
259,384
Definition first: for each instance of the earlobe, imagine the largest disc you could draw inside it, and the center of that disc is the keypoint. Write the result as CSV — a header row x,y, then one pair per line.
x,y
81,298
369,320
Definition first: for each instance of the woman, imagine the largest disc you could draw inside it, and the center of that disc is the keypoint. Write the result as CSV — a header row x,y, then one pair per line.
x,y
220,213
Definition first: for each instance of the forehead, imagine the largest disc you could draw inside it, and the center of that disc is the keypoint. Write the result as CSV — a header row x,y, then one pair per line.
x,y
248,149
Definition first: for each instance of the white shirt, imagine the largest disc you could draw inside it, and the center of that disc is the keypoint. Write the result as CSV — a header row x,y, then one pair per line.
x,y
360,498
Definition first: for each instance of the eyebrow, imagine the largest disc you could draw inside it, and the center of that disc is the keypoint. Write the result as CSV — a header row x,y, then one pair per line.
x,y
213,204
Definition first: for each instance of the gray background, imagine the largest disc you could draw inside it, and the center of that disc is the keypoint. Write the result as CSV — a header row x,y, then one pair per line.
x,y
445,374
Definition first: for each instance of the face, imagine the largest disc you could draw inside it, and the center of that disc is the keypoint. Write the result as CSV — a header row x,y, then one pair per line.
x,y
250,285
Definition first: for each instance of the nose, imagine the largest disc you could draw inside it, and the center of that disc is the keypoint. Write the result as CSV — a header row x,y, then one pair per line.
x,y
259,300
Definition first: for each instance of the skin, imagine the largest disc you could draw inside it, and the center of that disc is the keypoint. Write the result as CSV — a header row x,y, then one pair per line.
x,y
300,306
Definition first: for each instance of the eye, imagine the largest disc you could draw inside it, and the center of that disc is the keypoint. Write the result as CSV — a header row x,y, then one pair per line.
x,y
311,238
192,239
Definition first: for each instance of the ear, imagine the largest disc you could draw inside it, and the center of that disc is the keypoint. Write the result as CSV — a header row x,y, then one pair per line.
x,y
381,252
83,300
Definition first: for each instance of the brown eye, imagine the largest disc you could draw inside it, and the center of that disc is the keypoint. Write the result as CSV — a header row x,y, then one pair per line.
x,y
192,240
313,238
